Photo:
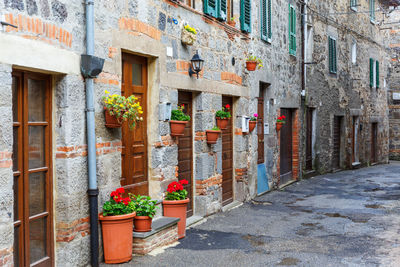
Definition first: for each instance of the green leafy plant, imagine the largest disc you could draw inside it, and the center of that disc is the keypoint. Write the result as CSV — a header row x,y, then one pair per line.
x,y
190,29
254,117
143,205
215,128
179,115
124,109
224,113
117,205
233,18
257,60
175,190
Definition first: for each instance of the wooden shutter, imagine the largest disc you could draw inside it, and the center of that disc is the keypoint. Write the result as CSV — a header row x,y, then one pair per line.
x,y
292,30
372,9
377,74
332,56
264,22
371,72
269,13
245,15
222,9
211,7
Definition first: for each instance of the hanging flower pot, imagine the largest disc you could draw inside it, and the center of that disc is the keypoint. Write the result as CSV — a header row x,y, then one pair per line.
x,y
142,223
251,65
178,121
279,126
252,125
279,122
212,135
253,62
189,35
222,123
223,117
111,120
175,204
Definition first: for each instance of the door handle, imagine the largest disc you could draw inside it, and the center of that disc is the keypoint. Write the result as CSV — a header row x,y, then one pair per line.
x,y
261,141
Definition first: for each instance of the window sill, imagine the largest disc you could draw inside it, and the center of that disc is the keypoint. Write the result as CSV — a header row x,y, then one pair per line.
x,y
353,8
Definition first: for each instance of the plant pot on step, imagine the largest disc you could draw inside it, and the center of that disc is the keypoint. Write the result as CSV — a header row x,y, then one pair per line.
x,y
252,125
117,237
142,223
111,120
212,136
222,123
251,65
177,127
177,209
279,126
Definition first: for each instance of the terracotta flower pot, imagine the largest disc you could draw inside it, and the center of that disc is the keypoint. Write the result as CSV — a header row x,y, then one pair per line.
x,y
177,209
111,121
142,223
212,136
251,65
252,125
279,126
117,237
232,23
222,123
177,127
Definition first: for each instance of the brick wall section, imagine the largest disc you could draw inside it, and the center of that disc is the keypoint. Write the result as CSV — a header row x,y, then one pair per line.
x,y
231,78
182,67
5,159
295,145
241,174
166,140
6,257
81,150
38,29
203,185
66,232
137,27
108,78
162,238
200,136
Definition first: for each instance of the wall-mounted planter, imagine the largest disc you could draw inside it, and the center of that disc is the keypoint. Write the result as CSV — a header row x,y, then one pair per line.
x,y
188,38
212,136
251,65
279,126
142,223
252,125
111,120
222,123
177,127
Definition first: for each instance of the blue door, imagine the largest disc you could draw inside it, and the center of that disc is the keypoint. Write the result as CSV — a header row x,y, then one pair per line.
x,y
262,179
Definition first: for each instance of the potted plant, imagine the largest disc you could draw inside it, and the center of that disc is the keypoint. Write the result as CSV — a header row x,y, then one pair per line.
x,y
212,135
232,21
145,209
253,63
223,117
279,122
178,121
189,35
117,225
253,122
175,204
118,108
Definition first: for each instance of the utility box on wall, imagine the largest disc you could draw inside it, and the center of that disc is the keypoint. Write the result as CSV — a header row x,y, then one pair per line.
x,y
164,111
245,124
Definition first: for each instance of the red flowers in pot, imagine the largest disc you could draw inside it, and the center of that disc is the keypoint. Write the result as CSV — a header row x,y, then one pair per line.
x,y
279,122
253,122
223,117
175,204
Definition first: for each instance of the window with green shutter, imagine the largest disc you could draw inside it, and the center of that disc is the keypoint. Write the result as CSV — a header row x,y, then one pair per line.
x,y
222,9
332,55
266,29
292,30
371,72
377,74
211,7
372,10
245,15
353,5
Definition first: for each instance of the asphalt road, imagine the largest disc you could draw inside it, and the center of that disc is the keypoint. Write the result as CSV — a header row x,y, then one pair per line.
x,y
349,218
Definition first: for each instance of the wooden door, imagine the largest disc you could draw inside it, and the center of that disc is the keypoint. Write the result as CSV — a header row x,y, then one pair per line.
x,y
337,125
185,149
134,142
227,158
260,128
286,148
33,237
309,130
374,142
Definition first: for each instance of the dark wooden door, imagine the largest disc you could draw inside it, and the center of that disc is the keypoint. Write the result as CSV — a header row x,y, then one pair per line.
x,y
33,237
185,149
227,158
374,141
337,125
134,142
309,130
260,129
286,147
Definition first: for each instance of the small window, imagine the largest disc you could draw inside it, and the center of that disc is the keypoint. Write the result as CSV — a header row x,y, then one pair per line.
x,y
354,53
353,5
190,3
372,10
292,30
216,8
266,29
245,15
332,55
373,73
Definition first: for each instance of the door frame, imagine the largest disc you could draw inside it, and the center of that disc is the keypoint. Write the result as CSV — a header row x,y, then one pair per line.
x,y
292,112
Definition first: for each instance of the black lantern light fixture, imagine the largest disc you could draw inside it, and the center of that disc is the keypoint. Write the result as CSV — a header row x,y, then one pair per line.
x,y
196,65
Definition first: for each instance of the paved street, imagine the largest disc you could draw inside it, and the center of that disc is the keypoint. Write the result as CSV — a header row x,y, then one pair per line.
x,y
349,218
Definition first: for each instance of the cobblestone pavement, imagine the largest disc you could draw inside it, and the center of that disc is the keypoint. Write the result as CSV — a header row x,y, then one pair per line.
x,y
349,218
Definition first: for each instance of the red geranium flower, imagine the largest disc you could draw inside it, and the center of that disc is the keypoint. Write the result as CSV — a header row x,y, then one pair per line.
x,y
120,190
228,106
184,182
114,194
126,201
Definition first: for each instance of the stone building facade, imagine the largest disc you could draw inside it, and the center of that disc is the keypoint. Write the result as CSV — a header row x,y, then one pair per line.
x,y
345,107
43,131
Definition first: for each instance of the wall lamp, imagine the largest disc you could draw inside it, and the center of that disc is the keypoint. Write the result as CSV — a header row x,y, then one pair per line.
x,y
196,65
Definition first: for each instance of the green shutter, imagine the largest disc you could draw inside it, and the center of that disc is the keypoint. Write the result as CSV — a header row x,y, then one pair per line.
x,y
269,14
245,15
353,3
372,9
264,23
222,9
377,74
332,55
371,72
211,7
292,30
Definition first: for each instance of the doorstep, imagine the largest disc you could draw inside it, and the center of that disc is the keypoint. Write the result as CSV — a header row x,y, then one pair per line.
x,y
231,205
193,220
356,165
164,232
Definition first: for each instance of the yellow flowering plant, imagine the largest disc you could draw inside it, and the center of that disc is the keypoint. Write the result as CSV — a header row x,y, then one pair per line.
x,y
190,29
123,108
